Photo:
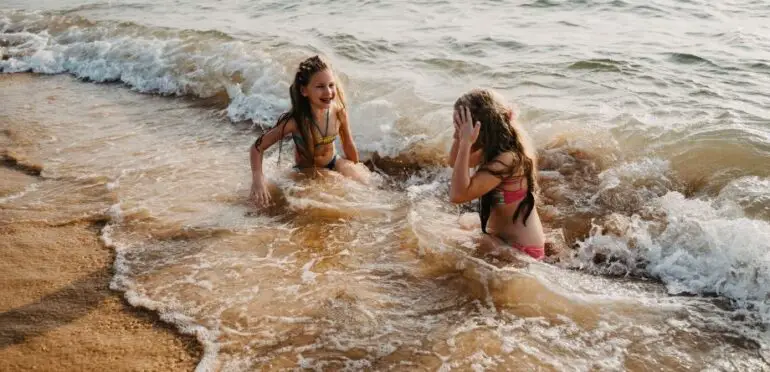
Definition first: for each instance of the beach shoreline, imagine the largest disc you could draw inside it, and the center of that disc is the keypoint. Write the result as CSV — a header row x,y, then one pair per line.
x,y
57,311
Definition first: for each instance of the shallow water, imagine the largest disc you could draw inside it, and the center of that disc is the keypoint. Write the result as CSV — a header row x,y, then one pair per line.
x,y
653,142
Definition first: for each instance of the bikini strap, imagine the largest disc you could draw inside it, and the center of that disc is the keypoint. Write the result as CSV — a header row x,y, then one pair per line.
x,y
325,132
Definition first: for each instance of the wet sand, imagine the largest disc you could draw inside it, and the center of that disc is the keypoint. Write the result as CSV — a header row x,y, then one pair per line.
x,y
57,312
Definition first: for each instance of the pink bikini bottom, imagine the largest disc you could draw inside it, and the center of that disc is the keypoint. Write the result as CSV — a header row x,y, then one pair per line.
x,y
534,251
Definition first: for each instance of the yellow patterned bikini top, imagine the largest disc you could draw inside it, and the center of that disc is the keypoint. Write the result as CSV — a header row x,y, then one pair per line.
x,y
325,139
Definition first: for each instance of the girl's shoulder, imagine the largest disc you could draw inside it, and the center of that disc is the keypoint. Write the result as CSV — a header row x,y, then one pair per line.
x,y
286,123
502,165
340,112
514,158
506,159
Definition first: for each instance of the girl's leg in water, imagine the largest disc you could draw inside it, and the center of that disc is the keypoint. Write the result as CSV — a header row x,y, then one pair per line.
x,y
351,170
496,247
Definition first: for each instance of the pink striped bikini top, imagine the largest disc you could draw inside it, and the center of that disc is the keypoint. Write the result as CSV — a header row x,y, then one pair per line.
x,y
503,196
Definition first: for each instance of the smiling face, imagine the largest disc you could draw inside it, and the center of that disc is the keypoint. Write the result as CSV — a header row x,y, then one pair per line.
x,y
321,90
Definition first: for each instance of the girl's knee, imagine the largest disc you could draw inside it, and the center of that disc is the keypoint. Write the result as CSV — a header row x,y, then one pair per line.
x,y
490,245
349,169
469,221
341,164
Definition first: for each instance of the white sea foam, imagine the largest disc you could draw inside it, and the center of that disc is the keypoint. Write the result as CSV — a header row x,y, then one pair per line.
x,y
700,247
150,61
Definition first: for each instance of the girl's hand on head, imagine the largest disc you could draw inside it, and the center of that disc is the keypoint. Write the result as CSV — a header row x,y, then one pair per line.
x,y
468,130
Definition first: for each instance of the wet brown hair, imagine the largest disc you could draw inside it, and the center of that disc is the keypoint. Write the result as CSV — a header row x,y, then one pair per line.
x,y
499,134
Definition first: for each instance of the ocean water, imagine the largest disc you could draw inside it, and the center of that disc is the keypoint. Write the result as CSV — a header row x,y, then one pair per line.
x,y
651,119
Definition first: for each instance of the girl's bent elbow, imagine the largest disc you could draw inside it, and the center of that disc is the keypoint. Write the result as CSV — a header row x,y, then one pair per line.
x,y
254,151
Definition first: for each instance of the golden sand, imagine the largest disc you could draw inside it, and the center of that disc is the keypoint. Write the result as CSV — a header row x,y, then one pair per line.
x,y
57,312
